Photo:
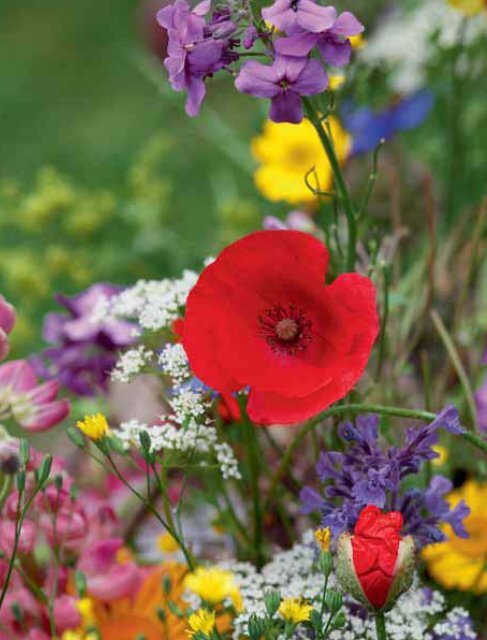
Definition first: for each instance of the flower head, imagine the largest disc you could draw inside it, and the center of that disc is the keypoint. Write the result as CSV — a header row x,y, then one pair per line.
x,y
459,562
323,538
286,153
83,347
295,15
94,427
201,621
332,42
295,610
213,585
284,82
33,406
195,49
376,564
261,316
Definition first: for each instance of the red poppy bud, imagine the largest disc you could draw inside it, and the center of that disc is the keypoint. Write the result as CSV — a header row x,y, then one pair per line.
x,y
375,564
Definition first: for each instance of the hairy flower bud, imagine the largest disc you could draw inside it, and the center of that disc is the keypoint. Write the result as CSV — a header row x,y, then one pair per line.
x,y
375,565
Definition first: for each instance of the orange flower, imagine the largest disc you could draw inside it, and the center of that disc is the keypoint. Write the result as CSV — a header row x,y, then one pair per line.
x,y
126,619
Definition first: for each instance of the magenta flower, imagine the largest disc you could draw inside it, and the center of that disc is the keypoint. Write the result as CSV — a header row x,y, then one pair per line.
x,y
291,16
7,321
106,578
284,82
32,405
66,613
333,43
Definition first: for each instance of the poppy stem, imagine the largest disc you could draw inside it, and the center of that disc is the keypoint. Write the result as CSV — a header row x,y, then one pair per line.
x,y
380,626
341,186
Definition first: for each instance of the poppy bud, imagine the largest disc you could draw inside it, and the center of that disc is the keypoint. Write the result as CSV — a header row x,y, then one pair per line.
x,y
375,564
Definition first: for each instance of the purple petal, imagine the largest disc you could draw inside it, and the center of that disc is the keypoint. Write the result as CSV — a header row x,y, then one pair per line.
x,y
297,45
196,94
258,80
286,107
347,25
313,79
288,68
280,15
315,18
335,53
202,8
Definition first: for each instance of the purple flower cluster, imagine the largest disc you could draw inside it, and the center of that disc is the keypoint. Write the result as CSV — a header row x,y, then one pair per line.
x,y
84,349
196,48
367,475
201,45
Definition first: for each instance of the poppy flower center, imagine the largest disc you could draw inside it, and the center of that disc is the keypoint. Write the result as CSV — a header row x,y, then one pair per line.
x,y
286,330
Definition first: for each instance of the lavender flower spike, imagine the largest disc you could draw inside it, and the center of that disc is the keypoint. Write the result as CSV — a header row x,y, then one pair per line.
x,y
291,16
284,82
333,43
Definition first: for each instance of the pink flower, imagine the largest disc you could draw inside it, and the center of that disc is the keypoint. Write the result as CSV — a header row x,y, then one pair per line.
x,y
34,406
66,614
7,321
62,520
27,537
107,578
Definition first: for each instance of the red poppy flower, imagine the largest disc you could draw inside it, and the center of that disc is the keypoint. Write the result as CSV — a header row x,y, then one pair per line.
x,y
376,564
260,316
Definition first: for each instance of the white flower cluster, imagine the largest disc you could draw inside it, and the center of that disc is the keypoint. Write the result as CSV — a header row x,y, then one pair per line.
x,y
197,441
174,363
295,574
154,304
130,363
403,41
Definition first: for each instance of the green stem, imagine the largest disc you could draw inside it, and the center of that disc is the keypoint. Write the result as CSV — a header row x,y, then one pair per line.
x,y
187,554
253,460
341,186
457,365
380,625
427,416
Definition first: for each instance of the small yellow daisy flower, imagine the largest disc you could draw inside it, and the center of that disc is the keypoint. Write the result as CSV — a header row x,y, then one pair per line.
x,y
287,152
94,427
323,538
295,610
214,585
202,621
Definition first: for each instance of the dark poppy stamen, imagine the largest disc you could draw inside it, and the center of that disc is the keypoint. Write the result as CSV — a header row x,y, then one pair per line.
x,y
285,329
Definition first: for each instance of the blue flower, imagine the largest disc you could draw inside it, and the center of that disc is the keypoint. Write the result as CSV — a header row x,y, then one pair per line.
x,y
369,127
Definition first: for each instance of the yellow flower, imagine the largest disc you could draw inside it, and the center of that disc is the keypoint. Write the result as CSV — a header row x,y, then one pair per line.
x,y
295,610
214,585
323,537
94,427
468,7
357,41
202,621
336,81
287,152
461,563
167,543
442,455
